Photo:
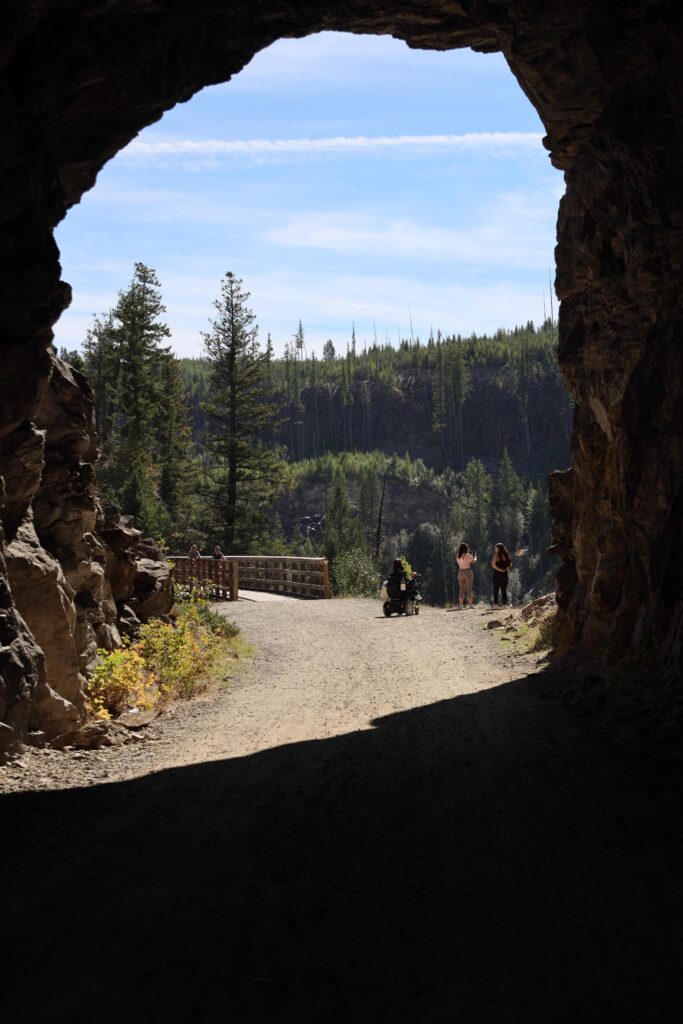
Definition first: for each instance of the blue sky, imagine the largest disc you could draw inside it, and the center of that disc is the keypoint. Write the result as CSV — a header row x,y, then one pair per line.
x,y
346,179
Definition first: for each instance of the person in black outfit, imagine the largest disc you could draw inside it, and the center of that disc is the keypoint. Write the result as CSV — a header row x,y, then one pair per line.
x,y
501,564
397,576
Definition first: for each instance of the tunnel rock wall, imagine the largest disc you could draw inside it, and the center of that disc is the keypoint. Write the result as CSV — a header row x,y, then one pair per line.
x,y
53,560
618,513
80,78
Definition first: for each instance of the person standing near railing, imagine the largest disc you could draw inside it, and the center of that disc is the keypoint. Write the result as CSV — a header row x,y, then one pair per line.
x,y
194,554
501,563
465,560
217,553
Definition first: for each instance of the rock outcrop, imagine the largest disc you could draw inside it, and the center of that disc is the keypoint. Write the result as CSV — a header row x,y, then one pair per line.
x,y
79,80
68,560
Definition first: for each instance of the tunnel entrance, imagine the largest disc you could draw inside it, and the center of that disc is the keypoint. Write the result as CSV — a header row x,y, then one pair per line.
x,y
400,207
348,180
80,83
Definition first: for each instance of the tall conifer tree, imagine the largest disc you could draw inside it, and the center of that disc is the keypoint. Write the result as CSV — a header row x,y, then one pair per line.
x,y
139,335
460,385
246,471
101,366
175,463
439,397
509,502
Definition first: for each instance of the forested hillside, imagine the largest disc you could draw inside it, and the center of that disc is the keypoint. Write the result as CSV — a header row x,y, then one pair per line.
x,y
362,455
446,401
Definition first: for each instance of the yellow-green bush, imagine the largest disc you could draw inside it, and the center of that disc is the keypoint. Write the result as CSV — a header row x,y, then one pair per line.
x,y
169,661
121,680
179,654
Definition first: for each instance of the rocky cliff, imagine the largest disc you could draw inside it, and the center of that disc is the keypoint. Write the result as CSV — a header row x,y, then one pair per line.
x,y
72,562
79,79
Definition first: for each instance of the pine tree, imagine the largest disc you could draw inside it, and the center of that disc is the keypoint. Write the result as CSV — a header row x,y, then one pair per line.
x,y
277,544
101,366
290,392
270,381
175,463
508,502
460,385
439,397
299,349
141,410
473,508
73,357
269,362
521,377
138,336
342,529
299,341
368,499
314,390
538,522
246,470
348,398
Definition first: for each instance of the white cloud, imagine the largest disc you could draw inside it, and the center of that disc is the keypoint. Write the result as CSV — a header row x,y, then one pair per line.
x,y
511,230
207,153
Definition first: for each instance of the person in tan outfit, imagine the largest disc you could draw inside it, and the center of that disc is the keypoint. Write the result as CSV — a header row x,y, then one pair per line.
x,y
466,560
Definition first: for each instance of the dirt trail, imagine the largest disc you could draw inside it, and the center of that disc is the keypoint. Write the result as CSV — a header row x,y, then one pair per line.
x,y
322,669
381,820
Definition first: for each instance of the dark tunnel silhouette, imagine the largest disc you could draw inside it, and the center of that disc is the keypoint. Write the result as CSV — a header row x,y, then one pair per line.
x,y
418,871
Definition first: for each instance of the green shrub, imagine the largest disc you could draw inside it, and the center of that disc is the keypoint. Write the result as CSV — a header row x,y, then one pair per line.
x,y
354,574
120,681
193,604
168,662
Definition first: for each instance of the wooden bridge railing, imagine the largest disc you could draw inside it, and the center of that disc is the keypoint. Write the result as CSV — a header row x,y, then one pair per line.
x,y
303,577
280,574
215,577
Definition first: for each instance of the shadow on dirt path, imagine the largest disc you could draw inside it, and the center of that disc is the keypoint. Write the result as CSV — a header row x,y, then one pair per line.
x,y
413,872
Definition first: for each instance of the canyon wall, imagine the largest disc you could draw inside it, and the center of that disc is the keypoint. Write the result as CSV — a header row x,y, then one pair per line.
x,y
80,78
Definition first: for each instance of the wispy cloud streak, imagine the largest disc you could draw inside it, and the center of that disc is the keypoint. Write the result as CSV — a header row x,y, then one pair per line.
x,y
501,143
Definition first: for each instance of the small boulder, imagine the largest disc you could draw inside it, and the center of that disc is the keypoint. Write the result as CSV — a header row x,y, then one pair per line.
x,y
135,719
91,736
541,605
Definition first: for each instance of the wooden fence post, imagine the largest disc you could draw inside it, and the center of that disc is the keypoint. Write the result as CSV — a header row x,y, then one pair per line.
x,y
326,579
233,578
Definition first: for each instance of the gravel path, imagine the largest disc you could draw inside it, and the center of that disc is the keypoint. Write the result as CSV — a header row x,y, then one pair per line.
x,y
381,820
322,669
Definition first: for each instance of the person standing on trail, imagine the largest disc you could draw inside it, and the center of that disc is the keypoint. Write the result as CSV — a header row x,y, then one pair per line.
x,y
501,563
465,560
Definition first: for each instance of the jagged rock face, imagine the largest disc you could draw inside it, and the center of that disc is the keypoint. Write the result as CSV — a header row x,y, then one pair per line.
x,y
153,590
68,558
121,539
79,79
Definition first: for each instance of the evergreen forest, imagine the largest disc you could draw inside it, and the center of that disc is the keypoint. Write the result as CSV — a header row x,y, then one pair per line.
x,y
365,453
